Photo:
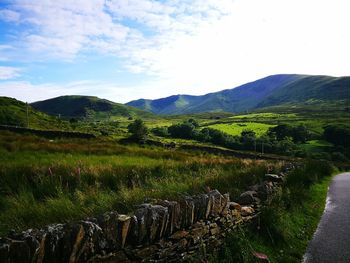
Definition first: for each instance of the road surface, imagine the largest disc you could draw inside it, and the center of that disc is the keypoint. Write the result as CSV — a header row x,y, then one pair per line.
x,y
331,241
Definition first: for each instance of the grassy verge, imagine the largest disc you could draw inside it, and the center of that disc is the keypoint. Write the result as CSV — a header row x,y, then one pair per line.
x,y
285,227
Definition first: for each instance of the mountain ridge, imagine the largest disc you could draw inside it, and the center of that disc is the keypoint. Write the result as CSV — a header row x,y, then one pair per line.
x,y
17,113
269,91
79,106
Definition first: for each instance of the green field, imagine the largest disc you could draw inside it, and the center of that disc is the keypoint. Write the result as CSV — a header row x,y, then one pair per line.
x,y
45,181
265,115
316,145
237,128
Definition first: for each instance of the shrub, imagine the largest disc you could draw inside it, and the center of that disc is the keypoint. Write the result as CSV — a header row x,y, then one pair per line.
x,y
160,131
337,134
138,130
299,134
183,130
339,157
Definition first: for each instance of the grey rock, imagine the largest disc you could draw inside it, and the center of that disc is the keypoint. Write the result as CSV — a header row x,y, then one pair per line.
x,y
109,225
248,198
187,211
273,178
217,203
174,211
200,206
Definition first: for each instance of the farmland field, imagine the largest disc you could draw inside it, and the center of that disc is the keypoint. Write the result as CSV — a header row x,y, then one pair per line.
x,y
237,128
265,115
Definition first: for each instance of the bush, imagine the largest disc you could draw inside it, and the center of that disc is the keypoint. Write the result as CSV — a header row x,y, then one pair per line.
x,y
299,134
138,130
160,131
337,135
185,130
339,157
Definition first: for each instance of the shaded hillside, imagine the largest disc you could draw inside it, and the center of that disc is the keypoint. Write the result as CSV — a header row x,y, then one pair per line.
x,y
270,91
87,107
308,88
14,112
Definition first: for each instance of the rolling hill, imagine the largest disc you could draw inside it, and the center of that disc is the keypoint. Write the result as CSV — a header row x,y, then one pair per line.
x,y
270,91
87,107
14,112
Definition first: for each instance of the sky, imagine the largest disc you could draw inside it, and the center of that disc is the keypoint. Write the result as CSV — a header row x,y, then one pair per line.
x,y
123,50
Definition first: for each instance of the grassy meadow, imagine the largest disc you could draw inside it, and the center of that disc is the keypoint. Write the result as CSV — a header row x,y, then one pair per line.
x,y
45,181
237,128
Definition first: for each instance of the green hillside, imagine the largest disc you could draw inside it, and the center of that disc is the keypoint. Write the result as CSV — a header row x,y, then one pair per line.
x,y
311,89
14,112
270,91
87,107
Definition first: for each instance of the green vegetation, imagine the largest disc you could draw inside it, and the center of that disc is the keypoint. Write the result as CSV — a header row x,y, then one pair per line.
x,y
14,112
293,91
288,223
87,107
138,130
44,181
239,127
313,146
265,115
338,135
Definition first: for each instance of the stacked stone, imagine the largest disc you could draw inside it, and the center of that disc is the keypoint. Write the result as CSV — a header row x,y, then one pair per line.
x,y
159,231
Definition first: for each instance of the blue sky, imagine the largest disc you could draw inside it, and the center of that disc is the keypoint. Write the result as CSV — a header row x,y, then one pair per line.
x,y
129,49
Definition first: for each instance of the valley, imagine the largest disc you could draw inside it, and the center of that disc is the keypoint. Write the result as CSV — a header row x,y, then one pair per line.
x,y
133,156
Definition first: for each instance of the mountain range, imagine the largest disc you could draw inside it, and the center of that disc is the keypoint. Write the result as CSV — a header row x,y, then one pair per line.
x,y
269,91
277,90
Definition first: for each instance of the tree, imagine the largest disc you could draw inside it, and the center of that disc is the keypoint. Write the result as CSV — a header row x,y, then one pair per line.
x,y
185,130
138,130
337,135
299,134
280,131
194,122
160,131
248,139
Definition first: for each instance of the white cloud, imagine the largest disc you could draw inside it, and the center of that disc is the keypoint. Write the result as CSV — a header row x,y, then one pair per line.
x,y
28,92
9,15
192,46
9,72
62,29
256,39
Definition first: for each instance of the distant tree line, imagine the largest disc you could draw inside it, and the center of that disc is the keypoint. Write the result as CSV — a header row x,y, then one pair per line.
x,y
280,139
338,135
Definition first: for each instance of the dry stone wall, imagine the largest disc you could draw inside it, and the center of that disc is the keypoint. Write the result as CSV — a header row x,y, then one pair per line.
x,y
48,133
158,231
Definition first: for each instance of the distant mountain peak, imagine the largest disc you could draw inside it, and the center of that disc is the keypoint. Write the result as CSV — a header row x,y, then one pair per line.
x,y
269,91
80,106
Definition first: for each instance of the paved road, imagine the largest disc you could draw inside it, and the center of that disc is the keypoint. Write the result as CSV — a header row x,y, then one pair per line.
x,y
331,241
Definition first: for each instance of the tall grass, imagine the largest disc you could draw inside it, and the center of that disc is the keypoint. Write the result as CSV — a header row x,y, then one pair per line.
x,y
288,223
71,179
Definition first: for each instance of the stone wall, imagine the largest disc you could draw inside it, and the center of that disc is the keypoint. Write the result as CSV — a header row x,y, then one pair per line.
x,y
48,133
157,231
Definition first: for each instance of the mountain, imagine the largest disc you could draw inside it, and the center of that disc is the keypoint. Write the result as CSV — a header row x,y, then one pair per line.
x,y
14,112
270,91
87,106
